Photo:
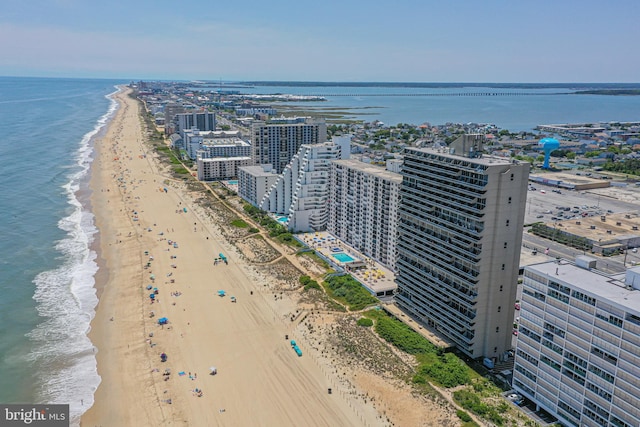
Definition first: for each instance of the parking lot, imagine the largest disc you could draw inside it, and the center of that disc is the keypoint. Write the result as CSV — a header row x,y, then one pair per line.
x,y
543,206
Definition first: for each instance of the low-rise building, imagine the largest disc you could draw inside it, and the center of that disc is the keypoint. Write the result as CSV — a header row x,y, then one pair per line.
x,y
215,144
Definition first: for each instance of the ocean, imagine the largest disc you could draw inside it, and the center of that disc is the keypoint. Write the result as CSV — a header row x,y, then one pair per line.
x,y
46,258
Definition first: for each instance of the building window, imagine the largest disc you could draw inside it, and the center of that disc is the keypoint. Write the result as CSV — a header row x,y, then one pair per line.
x,y
500,288
499,308
511,177
509,199
505,245
497,329
507,223
502,269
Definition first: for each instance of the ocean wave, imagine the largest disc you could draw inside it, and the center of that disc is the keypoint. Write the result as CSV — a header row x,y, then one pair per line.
x,y
66,298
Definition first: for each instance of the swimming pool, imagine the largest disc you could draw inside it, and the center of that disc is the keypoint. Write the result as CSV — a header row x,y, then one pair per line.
x,y
233,182
283,219
342,257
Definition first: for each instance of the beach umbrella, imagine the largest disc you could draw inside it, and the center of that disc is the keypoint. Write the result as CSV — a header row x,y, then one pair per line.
x,y
213,370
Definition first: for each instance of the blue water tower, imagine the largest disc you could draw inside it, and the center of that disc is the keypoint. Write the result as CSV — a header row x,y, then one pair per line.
x,y
548,145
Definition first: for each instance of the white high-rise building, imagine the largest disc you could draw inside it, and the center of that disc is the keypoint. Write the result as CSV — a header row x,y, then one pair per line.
x,y
255,181
363,208
578,347
460,231
276,142
301,192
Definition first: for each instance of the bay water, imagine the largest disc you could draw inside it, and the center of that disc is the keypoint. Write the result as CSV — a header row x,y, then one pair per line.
x,y
515,107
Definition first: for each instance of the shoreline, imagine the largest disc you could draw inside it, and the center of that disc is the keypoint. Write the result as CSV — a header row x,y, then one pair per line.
x,y
260,378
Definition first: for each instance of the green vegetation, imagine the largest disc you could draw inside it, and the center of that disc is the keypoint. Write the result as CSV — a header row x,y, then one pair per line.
x,y
446,369
240,223
365,321
309,283
629,166
463,415
469,399
557,235
275,229
253,230
402,336
180,170
349,291
435,365
316,259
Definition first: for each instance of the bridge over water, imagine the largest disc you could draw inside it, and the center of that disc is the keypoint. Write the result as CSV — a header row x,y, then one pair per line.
x,y
438,94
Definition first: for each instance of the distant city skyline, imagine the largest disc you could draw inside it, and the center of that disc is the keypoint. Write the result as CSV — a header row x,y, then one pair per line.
x,y
412,41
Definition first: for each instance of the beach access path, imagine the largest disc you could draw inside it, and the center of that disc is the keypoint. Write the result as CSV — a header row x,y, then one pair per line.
x,y
260,379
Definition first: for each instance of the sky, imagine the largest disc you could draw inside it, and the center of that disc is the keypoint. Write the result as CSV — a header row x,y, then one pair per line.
x,y
350,40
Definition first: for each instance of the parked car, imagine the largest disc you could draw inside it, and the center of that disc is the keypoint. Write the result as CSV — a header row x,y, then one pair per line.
x,y
516,398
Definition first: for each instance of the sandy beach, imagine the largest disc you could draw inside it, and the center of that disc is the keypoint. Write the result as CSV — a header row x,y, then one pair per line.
x,y
156,234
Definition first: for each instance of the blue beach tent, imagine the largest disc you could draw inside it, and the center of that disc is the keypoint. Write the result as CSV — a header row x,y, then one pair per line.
x,y
163,321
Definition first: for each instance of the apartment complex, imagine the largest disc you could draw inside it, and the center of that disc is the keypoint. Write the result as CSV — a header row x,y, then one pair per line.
x,y
363,208
255,181
215,144
577,353
301,192
170,112
460,230
276,142
201,120
217,168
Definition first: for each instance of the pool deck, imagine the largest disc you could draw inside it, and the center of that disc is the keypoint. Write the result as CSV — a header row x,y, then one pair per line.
x,y
227,184
377,278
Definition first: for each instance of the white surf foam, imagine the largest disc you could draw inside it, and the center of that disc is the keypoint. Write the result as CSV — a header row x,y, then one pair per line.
x,y
66,298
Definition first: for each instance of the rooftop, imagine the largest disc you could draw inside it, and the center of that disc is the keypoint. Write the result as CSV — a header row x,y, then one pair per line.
x,y
259,171
485,160
370,169
598,284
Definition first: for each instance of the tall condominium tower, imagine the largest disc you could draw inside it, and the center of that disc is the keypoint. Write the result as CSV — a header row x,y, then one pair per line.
x,y
170,112
577,351
301,192
460,230
275,142
201,120
363,208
